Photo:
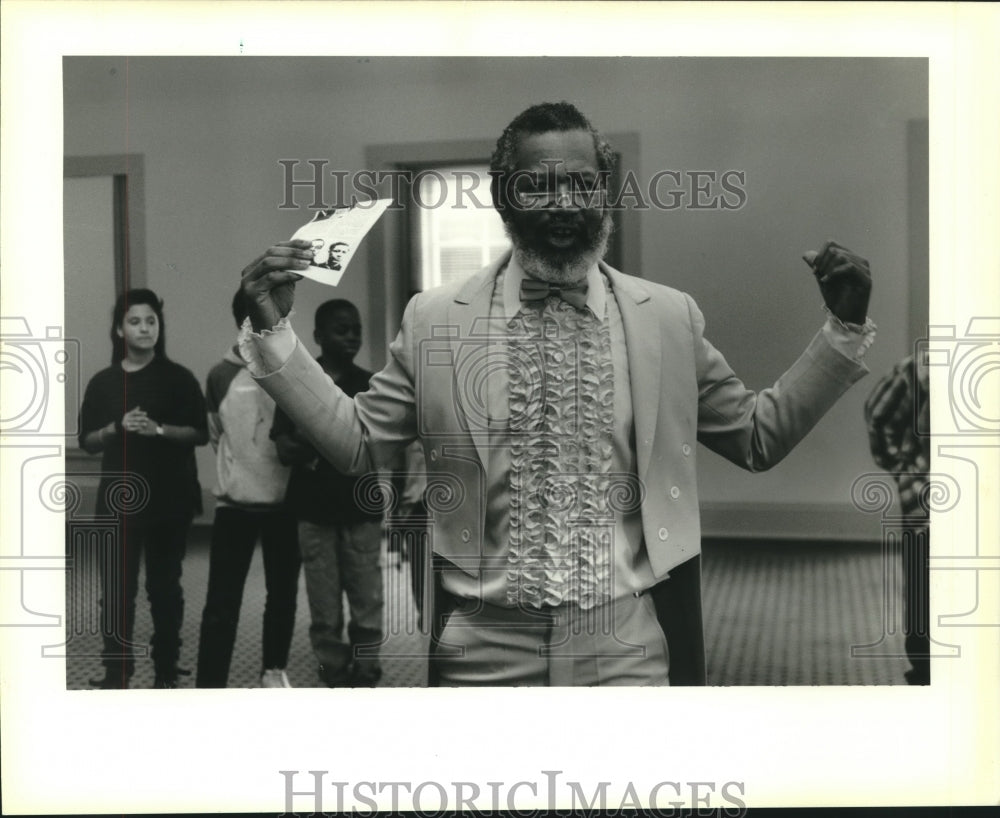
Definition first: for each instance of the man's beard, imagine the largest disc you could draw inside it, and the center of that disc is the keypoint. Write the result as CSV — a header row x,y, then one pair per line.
x,y
561,266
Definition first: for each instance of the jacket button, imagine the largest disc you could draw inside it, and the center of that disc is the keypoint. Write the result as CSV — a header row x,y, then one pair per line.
x,y
663,533
434,454
686,449
466,535
675,492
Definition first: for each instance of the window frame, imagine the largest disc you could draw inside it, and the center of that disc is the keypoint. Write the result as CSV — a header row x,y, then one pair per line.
x,y
127,172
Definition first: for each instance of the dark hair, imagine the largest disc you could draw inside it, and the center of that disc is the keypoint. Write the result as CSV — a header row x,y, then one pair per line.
x,y
542,118
127,299
325,311
241,309
337,244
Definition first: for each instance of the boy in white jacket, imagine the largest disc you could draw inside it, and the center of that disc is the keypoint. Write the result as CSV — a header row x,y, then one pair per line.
x,y
250,493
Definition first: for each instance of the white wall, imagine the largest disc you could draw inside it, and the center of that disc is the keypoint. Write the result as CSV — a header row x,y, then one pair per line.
x,y
88,221
822,142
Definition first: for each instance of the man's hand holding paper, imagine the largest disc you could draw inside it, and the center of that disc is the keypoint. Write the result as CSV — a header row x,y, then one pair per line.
x,y
269,281
320,250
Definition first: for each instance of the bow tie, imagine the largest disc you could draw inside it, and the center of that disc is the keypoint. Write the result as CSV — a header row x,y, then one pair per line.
x,y
534,290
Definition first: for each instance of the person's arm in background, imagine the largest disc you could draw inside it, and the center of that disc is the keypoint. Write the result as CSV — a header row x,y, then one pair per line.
x,y
97,429
293,449
889,402
94,441
182,435
215,390
891,415
214,430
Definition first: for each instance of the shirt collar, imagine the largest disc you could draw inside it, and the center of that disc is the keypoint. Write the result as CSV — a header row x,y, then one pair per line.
x,y
596,295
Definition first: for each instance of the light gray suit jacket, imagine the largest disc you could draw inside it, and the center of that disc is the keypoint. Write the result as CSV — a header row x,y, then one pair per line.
x,y
683,392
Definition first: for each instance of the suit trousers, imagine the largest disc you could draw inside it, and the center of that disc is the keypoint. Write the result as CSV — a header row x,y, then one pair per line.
x,y
234,537
677,601
620,643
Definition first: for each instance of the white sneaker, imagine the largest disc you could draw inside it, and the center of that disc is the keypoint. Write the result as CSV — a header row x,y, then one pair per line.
x,y
275,677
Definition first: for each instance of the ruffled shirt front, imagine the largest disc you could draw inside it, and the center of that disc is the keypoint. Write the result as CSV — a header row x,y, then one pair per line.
x,y
561,382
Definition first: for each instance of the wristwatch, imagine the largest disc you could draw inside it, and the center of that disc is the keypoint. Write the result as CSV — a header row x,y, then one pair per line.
x,y
159,430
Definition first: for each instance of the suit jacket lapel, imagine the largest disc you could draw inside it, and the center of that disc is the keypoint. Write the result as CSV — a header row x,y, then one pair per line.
x,y
644,346
469,314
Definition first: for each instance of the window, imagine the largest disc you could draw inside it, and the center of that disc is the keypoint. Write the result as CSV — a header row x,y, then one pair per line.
x,y
456,230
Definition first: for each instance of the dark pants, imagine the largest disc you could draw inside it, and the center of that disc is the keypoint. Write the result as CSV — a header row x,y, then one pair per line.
x,y
163,544
916,604
234,536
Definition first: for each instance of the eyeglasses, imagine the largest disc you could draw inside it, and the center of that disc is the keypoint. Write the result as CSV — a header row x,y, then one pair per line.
x,y
532,197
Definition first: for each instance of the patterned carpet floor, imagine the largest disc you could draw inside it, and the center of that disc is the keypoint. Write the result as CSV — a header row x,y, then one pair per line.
x,y
785,613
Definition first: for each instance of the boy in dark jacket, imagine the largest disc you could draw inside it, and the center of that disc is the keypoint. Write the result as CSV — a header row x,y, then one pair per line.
x,y
339,537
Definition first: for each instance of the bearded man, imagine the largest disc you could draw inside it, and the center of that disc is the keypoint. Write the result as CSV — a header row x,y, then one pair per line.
x,y
558,403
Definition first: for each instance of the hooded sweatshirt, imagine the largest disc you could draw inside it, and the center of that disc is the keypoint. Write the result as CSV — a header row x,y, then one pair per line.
x,y
240,414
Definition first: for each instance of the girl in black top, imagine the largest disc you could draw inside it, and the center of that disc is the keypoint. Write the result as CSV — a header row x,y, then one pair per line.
x,y
144,414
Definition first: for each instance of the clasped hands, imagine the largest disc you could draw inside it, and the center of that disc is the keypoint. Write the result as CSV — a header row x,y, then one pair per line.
x,y
137,421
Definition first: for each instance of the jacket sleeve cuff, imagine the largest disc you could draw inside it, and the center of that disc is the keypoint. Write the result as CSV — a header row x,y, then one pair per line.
x,y
266,351
850,340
